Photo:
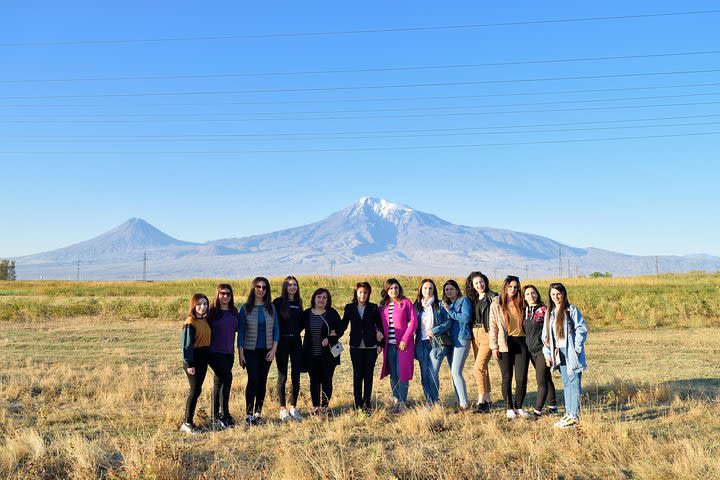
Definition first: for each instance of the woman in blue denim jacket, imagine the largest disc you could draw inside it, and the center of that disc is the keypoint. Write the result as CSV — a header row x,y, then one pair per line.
x,y
564,335
456,314
428,313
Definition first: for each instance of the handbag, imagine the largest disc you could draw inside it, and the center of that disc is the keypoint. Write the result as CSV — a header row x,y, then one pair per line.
x,y
445,339
336,349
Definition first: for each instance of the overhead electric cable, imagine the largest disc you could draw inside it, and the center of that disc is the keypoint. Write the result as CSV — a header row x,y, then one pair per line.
x,y
363,70
373,87
358,32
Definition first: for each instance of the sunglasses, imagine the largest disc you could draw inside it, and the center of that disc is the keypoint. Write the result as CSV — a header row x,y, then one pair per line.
x,y
224,294
261,287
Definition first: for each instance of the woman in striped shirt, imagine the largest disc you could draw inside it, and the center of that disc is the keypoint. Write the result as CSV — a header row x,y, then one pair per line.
x,y
399,324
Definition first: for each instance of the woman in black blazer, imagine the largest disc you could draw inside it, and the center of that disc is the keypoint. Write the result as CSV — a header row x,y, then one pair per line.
x,y
365,342
321,323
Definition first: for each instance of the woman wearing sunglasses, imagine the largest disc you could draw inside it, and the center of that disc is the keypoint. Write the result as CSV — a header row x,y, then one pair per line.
x,y
223,320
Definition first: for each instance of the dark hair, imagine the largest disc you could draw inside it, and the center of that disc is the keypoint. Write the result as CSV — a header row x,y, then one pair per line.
x,y
384,297
453,284
267,298
418,302
285,296
215,310
560,315
539,300
194,300
358,286
470,291
516,299
318,292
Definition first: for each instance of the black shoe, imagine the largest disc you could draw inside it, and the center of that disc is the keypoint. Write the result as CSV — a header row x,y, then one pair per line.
x,y
229,421
219,422
483,407
552,409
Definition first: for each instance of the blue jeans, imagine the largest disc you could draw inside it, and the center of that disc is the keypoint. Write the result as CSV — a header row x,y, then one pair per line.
x,y
399,389
572,386
429,385
456,356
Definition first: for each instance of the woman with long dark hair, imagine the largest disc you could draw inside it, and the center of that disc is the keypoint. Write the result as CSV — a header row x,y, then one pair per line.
x,y
477,289
564,335
321,323
399,325
456,314
534,319
196,351
427,306
507,342
366,336
257,341
289,309
223,320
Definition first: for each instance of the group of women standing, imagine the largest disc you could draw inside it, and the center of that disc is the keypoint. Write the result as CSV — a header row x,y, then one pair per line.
x,y
514,327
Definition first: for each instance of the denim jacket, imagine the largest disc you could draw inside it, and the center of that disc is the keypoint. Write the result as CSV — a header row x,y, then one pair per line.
x,y
418,333
456,320
576,334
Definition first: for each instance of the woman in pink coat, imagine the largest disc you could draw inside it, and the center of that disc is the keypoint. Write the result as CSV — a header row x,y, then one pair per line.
x,y
399,324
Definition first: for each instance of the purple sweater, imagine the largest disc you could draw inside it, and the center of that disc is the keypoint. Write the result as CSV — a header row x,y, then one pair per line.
x,y
223,333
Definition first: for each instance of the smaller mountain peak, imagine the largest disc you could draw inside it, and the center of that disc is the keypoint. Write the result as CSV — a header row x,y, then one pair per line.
x,y
381,205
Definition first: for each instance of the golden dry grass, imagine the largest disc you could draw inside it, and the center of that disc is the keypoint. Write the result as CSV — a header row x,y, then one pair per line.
x,y
88,397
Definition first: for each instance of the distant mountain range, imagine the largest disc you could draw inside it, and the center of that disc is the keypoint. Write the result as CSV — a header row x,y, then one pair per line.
x,y
373,236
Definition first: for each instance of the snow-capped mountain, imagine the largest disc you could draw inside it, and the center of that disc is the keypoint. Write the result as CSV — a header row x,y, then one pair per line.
x,y
370,236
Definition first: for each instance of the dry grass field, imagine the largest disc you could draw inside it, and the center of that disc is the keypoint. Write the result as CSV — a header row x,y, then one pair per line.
x,y
101,395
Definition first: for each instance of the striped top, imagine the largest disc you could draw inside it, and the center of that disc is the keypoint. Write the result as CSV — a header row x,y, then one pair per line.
x,y
315,324
391,325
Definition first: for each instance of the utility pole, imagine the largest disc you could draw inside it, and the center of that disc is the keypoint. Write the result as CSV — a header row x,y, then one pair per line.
x,y
657,265
577,271
144,277
568,270
495,269
559,262
78,270
526,272
332,262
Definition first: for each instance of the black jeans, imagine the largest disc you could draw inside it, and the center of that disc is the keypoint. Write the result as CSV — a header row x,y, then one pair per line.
x,y
321,370
515,359
257,372
221,365
545,385
200,359
363,362
288,348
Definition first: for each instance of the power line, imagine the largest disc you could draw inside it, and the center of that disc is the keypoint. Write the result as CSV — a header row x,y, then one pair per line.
x,y
364,149
315,112
380,137
369,100
363,70
358,32
355,117
373,87
422,130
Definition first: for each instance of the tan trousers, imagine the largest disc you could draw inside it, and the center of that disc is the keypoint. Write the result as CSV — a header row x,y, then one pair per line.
x,y
482,352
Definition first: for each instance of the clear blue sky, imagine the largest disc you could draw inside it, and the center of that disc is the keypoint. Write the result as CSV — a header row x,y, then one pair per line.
x,y
85,144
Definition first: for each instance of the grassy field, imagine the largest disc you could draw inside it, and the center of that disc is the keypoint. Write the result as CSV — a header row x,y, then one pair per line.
x,y
100,393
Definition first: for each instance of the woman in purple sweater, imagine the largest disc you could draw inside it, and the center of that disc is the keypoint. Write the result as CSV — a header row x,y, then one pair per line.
x,y
223,320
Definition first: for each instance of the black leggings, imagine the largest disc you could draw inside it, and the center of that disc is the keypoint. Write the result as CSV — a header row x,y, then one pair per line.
x,y
516,358
545,385
257,372
363,362
321,370
221,365
200,359
288,348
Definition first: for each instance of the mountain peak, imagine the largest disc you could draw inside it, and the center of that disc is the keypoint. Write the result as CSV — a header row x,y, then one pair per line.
x,y
381,207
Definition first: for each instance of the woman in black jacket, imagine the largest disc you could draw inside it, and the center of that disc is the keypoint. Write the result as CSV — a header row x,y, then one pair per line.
x,y
534,319
366,336
321,323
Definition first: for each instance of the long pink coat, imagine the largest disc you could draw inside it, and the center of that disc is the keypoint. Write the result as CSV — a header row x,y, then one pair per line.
x,y
405,322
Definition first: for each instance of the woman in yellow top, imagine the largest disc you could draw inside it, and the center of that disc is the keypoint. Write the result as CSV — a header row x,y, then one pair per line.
x,y
507,342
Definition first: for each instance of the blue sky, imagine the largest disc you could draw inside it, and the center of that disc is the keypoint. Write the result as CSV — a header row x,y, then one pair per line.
x,y
622,159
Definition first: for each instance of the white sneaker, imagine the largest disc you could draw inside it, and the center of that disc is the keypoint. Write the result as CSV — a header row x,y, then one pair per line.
x,y
568,421
521,413
511,415
295,414
189,428
285,415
